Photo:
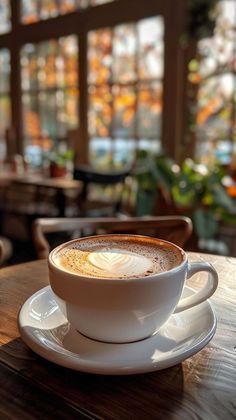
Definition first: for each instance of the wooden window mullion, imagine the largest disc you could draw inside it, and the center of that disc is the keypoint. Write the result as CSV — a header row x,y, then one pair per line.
x,y
82,146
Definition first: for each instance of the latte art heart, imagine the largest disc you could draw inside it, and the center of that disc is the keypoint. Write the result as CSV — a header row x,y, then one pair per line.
x,y
117,257
117,263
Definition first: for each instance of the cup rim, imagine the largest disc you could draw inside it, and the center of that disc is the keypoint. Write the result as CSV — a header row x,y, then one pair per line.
x,y
52,265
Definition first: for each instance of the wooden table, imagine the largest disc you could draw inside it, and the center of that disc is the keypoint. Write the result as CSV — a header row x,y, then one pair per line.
x,y
202,387
62,185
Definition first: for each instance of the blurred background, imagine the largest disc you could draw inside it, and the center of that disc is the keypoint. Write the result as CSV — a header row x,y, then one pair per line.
x,y
144,84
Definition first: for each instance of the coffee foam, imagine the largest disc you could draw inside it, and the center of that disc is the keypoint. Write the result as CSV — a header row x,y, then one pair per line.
x,y
117,257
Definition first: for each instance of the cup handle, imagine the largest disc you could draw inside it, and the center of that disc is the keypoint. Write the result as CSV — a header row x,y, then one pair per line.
x,y
207,290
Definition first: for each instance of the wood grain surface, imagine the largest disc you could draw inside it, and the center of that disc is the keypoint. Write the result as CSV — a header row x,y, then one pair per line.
x,y
201,387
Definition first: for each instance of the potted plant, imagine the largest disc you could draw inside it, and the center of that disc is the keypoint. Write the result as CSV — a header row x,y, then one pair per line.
x,y
154,177
60,162
191,189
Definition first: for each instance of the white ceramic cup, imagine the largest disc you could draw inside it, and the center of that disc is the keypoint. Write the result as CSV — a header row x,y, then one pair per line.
x,y
126,310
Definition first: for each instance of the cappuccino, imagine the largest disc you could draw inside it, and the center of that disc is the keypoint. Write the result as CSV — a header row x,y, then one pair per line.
x,y
123,288
118,257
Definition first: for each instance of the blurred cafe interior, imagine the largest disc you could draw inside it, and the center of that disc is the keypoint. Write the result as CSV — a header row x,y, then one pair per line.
x,y
117,108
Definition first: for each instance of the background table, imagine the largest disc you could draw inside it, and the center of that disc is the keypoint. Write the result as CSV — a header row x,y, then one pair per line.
x,y
202,387
61,185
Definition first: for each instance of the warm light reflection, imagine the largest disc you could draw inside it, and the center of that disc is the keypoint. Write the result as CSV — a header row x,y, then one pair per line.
x,y
50,93
125,78
5,101
34,10
125,87
213,74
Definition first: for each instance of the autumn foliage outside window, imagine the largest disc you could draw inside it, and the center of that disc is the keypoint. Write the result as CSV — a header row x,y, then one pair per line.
x,y
125,89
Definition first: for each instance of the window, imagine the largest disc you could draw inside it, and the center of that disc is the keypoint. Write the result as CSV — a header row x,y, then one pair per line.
x,y
125,90
5,16
5,113
35,10
97,72
213,76
49,91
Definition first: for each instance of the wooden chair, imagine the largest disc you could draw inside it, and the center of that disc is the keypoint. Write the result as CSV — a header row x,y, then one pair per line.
x,y
6,249
24,203
176,229
1,251
102,191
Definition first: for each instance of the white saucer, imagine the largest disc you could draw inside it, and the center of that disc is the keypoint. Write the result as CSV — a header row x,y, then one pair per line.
x,y
46,331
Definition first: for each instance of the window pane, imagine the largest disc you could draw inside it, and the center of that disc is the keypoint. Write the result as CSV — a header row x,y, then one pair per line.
x,y
218,52
35,10
4,70
213,80
33,133
124,111
83,4
100,112
29,11
67,62
5,114
149,110
48,9
124,53
5,104
5,16
150,146
124,151
216,96
31,118
67,6
47,106
100,152
71,107
125,71
47,54
49,83
151,46
29,67
67,111
100,56
49,64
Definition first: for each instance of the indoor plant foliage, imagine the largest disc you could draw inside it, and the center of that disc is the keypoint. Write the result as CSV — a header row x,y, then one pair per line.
x,y
191,189
60,161
198,191
151,172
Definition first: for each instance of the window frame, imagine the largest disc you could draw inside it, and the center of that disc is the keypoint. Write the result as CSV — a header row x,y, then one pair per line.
x,y
79,23
50,91
5,94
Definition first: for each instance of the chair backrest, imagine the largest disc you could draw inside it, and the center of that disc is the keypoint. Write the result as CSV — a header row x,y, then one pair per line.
x,y
1,252
6,249
88,174
91,177
176,229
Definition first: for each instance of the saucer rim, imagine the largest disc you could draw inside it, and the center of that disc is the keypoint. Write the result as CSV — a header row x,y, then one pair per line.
x,y
72,361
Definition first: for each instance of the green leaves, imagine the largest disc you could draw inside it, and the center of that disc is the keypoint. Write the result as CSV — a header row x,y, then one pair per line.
x,y
221,198
205,223
60,158
145,202
152,170
195,189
